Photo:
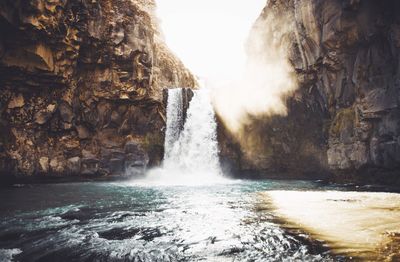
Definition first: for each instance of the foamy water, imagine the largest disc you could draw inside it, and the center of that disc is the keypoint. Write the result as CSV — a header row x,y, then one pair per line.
x,y
119,222
177,177
7,255
191,154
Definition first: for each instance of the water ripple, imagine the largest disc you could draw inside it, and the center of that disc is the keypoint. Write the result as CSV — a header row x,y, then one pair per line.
x,y
118,222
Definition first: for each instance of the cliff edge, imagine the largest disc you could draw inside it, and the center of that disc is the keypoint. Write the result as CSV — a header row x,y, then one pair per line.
x,y
81,87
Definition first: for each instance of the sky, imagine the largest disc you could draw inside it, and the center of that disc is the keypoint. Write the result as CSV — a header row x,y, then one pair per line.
x,y
209,35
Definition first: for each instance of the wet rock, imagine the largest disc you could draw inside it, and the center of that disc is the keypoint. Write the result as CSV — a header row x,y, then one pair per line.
x,y
137,160
81,214
132,147
147,234
117,154
119,233
116,165
90,166
136,164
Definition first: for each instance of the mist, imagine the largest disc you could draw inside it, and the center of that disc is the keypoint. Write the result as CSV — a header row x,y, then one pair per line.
x,y
209,36
266,80
227,45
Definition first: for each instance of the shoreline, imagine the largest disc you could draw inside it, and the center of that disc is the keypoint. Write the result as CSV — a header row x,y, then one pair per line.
x,y
361,225
35,180
16,182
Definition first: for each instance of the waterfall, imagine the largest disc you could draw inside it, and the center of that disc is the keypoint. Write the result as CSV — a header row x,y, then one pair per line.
x,y
174,120
191,147
195,148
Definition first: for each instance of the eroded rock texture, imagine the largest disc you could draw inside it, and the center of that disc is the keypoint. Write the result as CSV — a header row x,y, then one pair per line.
x,y
344,117
81,87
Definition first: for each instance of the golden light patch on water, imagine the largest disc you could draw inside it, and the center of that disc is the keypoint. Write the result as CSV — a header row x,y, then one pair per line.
x,y
364,225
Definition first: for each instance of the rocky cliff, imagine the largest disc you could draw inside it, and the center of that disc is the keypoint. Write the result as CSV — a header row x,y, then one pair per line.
x,y
344,117
81,87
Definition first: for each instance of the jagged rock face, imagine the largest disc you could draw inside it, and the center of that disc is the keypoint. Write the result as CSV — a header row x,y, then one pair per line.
x,y
81,87
355,71
346,109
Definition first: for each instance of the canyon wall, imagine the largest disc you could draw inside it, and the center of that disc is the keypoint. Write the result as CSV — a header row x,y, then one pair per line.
x,y
343,120
81,87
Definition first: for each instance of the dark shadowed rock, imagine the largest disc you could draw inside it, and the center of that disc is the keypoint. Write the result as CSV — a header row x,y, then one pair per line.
x,y
90,166
132,147
42,116
66,112
83,132
344,117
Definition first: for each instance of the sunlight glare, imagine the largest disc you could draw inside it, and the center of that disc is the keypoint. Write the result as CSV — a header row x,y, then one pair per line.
x,y
209,35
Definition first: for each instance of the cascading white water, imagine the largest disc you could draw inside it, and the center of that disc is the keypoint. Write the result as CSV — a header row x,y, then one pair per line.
x,y
191,153
195,149
174,120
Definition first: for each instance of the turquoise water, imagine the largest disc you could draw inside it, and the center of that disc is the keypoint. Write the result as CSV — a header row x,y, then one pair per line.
x,y
124,222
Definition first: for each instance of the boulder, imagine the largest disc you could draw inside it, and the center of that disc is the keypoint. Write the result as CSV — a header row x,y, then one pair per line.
x,y
16,102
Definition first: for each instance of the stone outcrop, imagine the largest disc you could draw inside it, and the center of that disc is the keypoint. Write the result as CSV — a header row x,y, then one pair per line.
x,y
81,87
344,118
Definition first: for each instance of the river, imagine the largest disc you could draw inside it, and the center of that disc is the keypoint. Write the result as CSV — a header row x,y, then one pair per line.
x,y
123,221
